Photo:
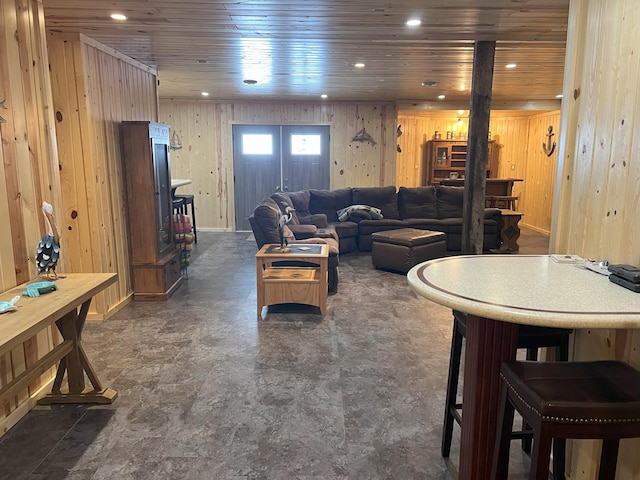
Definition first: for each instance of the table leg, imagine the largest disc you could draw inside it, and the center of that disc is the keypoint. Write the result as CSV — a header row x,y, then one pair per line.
x,y
76,364
260,286
488,344
324,284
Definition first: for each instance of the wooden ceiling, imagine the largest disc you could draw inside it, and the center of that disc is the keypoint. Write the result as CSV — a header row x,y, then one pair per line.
x,y
298,50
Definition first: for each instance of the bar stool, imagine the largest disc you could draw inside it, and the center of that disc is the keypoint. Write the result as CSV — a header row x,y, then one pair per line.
x,y
188,200
529,337
582,400
178,205
503,201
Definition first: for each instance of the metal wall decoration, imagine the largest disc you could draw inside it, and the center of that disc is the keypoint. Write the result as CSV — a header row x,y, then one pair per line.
x,y
175,143
2,119
363,136
548,147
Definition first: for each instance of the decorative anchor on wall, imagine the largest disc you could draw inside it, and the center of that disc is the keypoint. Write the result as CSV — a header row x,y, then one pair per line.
x,y
548,147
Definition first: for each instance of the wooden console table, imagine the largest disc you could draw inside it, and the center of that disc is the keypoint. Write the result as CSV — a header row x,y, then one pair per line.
x,y
498,191
292,283
67,307
494,186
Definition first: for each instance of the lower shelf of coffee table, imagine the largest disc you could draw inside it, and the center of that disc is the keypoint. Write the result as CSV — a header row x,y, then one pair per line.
x,y
291,285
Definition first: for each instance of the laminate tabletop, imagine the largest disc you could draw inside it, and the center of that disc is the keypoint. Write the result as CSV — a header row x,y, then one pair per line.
x,y
179,182
527,289
498,292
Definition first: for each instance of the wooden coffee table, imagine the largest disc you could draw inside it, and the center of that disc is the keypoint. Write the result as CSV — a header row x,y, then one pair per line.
x,y
292,283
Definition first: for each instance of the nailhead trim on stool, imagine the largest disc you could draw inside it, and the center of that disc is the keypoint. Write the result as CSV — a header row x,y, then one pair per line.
x,y
582,400
531,338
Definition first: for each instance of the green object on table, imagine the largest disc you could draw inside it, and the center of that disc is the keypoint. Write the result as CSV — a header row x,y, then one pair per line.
x,y
38,288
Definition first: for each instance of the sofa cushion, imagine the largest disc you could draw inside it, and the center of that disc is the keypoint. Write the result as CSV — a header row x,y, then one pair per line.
x,y
283,200
417,202
300,201
428,224
317,219
329,202
384,198
267,214
346,229
303,231
449,200
367,227
452,225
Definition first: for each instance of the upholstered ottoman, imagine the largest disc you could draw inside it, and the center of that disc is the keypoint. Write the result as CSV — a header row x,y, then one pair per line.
x,y
406,247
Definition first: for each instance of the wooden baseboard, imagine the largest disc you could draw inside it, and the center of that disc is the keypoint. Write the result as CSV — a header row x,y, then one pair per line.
x,y
113,310
531,227
15,416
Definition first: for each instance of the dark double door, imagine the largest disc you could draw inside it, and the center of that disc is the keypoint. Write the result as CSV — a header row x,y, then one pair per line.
x,y
271,158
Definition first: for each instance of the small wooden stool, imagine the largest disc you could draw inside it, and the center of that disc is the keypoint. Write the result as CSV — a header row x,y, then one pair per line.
x,y
529,337
583,400
188,200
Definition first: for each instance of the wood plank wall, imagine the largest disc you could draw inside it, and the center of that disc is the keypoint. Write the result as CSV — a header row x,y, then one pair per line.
x,y
79,170
518,136
204,131
29,174
206,157
95,88
536,193
597,207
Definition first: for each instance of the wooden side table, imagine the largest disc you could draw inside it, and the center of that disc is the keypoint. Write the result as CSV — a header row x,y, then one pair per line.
x,y
509,230
304,279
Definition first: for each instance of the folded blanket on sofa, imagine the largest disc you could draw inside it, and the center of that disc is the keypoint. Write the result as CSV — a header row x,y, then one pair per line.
x,y
345,213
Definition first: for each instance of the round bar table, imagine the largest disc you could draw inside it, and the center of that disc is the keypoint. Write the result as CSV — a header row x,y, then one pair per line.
x,y
178,182
498,292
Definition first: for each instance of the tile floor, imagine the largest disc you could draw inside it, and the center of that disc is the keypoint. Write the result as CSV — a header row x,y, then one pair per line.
x,y
206,391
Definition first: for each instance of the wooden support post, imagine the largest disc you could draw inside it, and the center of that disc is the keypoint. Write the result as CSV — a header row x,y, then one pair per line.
x,y
477,148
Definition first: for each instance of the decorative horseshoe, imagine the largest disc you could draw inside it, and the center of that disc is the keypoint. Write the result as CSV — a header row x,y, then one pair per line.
x,y
548,147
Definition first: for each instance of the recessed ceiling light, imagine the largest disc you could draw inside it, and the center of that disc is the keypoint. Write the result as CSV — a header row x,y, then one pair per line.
x,y
324,95
359,65
510,65
441,97
429,83
414,22
460,112
559,95
249,81
118,16
204,94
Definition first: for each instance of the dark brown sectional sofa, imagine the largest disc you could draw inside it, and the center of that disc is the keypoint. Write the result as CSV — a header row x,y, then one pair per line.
x,y
437,208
